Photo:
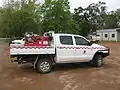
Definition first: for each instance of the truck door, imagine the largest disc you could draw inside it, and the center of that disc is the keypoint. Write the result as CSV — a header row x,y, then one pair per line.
x,y
65,49
83,51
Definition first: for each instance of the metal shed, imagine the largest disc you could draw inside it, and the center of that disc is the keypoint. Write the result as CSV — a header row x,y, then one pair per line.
x,y
109,34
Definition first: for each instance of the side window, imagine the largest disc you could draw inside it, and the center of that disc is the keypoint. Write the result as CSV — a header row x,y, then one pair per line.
x,y
106,35
113,35
81,41
66,40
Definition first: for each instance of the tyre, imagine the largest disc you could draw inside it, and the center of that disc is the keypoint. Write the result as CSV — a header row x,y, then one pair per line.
x,y
44,65
98,60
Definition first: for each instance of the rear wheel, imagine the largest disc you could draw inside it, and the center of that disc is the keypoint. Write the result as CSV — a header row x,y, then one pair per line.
x,y
44,65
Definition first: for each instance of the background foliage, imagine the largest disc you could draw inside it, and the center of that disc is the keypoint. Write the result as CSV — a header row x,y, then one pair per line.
x,y
17,17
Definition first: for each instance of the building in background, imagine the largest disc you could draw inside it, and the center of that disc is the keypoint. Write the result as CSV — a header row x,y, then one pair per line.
x,y
109,34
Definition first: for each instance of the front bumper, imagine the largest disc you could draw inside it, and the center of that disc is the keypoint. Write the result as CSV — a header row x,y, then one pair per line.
x,y
106,52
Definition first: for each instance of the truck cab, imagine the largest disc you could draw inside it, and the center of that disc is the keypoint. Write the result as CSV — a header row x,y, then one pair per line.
x,y
62,48
75,48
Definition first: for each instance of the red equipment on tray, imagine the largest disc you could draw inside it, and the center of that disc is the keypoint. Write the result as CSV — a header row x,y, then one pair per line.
x,y
37,41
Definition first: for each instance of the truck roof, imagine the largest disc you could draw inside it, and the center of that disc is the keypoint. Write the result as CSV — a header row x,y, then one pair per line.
x,y
67,34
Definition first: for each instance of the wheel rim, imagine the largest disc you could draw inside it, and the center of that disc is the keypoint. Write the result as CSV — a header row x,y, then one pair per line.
x,y
44,66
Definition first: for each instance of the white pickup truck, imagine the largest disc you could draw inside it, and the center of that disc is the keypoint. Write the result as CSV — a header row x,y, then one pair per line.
x,y
64,48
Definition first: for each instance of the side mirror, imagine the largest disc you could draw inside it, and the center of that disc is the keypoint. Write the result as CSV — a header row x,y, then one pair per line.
x,y
91,42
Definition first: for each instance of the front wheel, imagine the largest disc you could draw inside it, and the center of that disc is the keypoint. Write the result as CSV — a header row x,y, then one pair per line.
x,y
98,60
44,66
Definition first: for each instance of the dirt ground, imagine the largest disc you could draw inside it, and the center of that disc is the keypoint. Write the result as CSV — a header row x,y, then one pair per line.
x,y
63,77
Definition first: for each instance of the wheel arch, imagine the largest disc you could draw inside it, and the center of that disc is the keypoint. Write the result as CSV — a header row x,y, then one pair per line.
x,y
98,52
50,56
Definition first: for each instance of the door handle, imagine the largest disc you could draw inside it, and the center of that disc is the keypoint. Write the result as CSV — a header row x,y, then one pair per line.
x,y
84,51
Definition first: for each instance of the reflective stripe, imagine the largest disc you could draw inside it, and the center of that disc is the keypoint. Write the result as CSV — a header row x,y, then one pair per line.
x,y
80,48
32,47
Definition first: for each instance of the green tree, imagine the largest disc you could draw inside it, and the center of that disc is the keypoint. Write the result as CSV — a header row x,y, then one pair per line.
x,y
112,19
90,18
30,16
19,17
57,17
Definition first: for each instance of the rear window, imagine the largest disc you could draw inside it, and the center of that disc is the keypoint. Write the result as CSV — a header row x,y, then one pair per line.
x,y
66,40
